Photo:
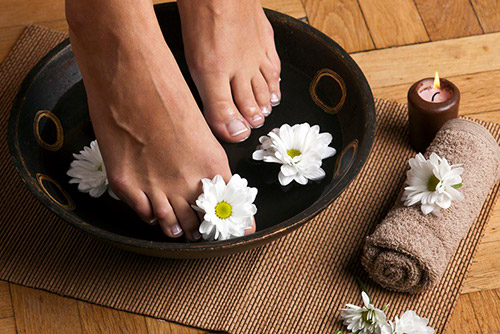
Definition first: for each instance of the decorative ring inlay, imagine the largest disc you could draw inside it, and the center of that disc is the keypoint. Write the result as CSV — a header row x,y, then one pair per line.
x,y
41,178
340,170
326,72
59,130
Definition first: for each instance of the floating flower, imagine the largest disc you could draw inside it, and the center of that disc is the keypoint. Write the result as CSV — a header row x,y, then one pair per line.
x,y
410,323
299,149
89,172
363,320
228,209
433,183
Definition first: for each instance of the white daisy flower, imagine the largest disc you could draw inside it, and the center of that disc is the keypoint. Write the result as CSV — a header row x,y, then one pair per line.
x,y
433,183
89,172
363,320
299,149
410,323
228,209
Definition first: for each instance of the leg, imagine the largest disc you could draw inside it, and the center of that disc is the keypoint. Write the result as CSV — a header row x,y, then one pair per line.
x,y
143,113
232,58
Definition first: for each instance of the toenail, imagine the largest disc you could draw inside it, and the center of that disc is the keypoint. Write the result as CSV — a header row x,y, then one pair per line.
x,y
259,126
196,235
257,118
279,79
275,100
175,230
152,221
266,111
236,127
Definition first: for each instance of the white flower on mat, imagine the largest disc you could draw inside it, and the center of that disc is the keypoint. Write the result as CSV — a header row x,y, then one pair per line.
x,y
89,172
228,209
433,183
363,320
299,149
410,323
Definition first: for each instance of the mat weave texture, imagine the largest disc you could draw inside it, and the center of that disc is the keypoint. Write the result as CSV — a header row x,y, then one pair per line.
x,y
294,285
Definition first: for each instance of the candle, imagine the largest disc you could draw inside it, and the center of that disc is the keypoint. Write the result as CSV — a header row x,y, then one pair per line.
x,y
431,102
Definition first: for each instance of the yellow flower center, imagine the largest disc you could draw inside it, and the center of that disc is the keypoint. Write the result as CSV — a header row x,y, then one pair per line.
x,y
432,183
223,210
293,153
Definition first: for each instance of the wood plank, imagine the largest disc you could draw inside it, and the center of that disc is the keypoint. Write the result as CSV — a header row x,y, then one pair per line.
x,y
463,320
5,301
393,22
478,92
342,20
102,320
42,312
8,326
445,19
293,8
486,306
156,326
488,12
24,12
407,64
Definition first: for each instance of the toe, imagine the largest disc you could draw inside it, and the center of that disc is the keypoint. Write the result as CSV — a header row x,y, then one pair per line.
x,y
165,214
187,218
222,115
251,230
245,101
133,197
261,93
272,77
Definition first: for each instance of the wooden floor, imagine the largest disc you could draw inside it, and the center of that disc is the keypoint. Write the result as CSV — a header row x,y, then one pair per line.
x,y
396,42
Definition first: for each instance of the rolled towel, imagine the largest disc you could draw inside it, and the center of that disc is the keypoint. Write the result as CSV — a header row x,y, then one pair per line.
x,y
409,251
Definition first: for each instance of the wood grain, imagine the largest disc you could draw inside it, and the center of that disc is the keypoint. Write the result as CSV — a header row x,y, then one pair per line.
x,y
8,325
407,64
459,21
156,326
102,320
488,12
486,306
478,92
342,20
463,319
5,301
393,22
293,8
42,312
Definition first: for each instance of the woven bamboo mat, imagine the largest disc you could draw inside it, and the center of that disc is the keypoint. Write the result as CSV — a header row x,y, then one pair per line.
x,y
294,285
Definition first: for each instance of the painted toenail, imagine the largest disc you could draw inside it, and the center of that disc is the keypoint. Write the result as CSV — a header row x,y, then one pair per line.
x,y
175,230
275,100
236,127
257,118
196,235
259,126
266,111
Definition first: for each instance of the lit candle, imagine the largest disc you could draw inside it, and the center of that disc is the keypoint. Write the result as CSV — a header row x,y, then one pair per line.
x,y
431,102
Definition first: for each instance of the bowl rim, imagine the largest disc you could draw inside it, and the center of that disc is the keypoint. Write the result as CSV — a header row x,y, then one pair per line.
x,y
256,238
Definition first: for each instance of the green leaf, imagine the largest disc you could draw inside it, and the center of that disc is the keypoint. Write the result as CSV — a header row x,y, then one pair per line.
x,y
458,185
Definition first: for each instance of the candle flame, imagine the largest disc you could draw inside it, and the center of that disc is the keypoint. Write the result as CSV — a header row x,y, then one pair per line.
x,y
437,82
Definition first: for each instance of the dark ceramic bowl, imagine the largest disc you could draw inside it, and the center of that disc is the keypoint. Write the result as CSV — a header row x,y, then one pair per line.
x,y
320,84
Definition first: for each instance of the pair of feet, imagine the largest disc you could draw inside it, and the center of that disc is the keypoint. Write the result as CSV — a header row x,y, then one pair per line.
x,y
155,142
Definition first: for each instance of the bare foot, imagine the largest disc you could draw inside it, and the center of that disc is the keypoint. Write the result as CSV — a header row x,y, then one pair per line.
x,y
232,58
154,140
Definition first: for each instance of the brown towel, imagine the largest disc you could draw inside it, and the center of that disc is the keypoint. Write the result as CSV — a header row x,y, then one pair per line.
x,y
409,251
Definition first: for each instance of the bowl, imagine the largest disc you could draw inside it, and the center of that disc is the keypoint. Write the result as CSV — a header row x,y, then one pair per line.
x,y
321,84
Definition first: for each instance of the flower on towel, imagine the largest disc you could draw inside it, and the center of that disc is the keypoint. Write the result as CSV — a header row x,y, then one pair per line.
x,y
363,320
410,323
228,209
89,172
299,149
433,183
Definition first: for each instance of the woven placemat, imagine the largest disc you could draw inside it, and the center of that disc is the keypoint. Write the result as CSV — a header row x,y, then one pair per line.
x,y
294,285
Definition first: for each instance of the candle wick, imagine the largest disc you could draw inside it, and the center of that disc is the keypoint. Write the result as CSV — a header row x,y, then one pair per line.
x,y
436,93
